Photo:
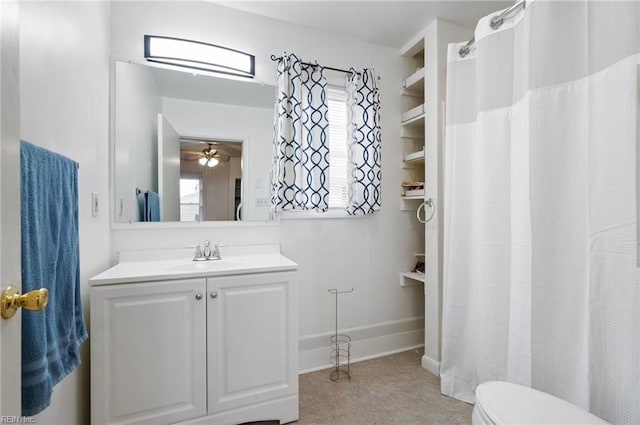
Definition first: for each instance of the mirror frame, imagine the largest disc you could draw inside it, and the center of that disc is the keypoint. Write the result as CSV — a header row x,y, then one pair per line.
x,y
271,220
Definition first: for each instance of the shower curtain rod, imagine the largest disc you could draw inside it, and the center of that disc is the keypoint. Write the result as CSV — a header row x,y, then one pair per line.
x,y
495,23
276,58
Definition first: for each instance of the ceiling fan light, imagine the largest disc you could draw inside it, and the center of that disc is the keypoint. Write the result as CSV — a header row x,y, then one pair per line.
x,y
202,160
212,162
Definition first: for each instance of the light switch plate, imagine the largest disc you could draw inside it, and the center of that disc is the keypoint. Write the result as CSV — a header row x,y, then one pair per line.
x,y
94,204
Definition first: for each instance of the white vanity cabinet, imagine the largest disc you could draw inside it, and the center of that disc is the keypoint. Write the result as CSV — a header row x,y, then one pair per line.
x,y
252,341
212,346
148,352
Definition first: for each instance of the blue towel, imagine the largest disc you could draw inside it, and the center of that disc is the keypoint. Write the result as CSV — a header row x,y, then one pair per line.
x,y
50,259
153,206
142,206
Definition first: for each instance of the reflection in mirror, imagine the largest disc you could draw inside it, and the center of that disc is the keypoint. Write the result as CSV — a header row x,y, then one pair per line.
x,y
210,180
170,127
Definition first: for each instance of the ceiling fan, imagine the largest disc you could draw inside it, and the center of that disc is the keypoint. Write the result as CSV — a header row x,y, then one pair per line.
x,y
208,157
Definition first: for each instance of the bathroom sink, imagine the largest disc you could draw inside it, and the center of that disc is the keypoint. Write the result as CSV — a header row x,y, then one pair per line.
x,y
201,266
153,265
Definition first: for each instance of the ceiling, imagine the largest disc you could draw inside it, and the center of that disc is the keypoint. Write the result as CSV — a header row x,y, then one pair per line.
x,y
389,23
191,150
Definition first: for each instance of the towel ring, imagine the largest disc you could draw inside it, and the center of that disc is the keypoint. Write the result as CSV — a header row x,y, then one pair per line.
x,y
433,210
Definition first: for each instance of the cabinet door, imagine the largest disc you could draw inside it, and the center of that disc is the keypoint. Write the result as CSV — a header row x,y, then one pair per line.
x,y
252,339
148,352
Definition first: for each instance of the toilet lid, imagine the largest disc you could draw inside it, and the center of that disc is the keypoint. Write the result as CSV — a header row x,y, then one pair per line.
x,y
506,403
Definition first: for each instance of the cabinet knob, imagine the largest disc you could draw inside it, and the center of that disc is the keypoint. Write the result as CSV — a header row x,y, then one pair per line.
x,y
198,296
214,294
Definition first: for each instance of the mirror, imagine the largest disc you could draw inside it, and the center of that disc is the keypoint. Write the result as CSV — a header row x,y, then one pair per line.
x,y
190,147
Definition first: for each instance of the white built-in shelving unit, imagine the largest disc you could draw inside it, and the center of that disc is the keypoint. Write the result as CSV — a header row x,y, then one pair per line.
x,y
412,135
422,134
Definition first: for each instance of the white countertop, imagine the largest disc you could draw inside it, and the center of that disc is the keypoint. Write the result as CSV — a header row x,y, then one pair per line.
x,y
142,269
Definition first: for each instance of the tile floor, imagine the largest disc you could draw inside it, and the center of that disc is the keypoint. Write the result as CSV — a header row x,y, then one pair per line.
x,y
393,390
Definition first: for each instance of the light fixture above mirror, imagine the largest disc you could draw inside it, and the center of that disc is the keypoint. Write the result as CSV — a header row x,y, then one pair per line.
x,y
198,55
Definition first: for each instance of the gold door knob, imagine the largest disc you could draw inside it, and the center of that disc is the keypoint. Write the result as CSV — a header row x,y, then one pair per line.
x,y
33,300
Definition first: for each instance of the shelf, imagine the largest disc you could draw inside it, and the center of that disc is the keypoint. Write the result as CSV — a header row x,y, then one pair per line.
x,y
412,113
408,203
413,165
411,133
411,278
411,93
415,121
416,157
414,47
414,83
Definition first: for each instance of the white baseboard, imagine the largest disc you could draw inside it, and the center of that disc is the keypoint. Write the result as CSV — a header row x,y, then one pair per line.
x,y
431,365
367,342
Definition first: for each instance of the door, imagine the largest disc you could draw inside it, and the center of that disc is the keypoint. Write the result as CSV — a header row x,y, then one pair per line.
x,y
10,341
251,339
168,170
148,352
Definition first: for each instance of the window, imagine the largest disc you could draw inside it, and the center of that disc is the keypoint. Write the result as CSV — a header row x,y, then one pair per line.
x,y
336,96
191,199
338,156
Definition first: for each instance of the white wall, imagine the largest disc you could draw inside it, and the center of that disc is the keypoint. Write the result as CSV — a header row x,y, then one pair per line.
x,y
136,134
363,253
64,98
233,122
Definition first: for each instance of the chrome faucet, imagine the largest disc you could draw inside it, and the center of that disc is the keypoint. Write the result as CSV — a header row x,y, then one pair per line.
x,y
207,253
207,249
215,253
198,256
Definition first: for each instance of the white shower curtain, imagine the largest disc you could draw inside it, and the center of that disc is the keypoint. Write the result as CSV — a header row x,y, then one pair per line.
x,y
541,285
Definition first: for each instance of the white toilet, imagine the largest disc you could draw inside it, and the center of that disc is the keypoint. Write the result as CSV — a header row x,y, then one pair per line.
x,y
506,403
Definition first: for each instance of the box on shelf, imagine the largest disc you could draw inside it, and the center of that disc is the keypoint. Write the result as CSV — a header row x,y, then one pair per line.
x,y
412,188
414,192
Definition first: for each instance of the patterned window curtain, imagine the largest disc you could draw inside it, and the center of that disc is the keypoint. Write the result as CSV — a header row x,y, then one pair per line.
x,y
363,141
301,138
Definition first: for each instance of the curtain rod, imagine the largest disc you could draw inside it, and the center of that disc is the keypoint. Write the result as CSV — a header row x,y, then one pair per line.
x,y
495,23
276,58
